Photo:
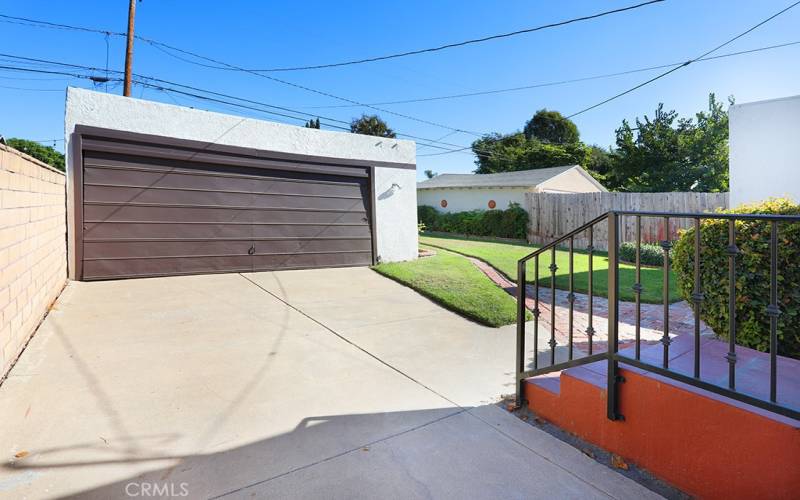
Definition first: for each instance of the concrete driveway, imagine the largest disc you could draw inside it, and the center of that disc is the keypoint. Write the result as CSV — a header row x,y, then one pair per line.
x,y
328,383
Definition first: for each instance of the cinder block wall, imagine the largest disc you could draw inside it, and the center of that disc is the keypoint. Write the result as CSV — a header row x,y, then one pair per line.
x,y
33,250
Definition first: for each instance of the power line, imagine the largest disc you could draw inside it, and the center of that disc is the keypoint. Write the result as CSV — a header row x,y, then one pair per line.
x,y
49,72
683,65
162,45
301,87
144,80
462,43
558,82
447,152
39,23
165,88
31,89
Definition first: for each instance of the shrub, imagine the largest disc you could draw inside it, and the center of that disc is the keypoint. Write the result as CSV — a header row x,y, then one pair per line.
x,y
509,223
426,215
650,254
752,276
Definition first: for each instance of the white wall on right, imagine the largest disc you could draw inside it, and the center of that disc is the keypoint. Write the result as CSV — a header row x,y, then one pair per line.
x,y
764,150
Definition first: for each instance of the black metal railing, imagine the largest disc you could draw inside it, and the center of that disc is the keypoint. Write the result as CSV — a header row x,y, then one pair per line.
x,y
612,355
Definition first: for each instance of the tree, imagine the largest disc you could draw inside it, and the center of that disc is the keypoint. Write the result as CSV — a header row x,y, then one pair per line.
x,y
599,163
512,152
430,174
707,147
371,125
312,123
669,153
552,128
42,153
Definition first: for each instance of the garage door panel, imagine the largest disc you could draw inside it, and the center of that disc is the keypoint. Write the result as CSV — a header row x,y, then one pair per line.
x,y
310,216
104,176
129,268
113,230
349,189
311,245
152,216
166,179
109,194
308,202
306,260
115,194
94,212
205,164
311,230
102,250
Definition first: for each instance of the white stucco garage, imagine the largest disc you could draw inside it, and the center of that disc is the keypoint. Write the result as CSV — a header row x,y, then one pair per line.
x,y
464,192
156,189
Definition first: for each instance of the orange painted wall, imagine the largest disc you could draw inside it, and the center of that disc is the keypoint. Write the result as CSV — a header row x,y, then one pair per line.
x,y
701,445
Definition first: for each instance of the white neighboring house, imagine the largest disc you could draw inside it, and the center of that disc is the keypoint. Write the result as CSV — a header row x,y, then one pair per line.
x,y
463,192
764,150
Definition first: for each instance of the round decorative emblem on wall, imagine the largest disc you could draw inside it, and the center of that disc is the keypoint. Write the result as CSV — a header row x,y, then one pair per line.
x,y
492,204
444,203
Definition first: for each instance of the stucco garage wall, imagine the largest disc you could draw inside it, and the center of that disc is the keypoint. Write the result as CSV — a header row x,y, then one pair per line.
x,y
395,212
395,190
464,199
765,150
33,250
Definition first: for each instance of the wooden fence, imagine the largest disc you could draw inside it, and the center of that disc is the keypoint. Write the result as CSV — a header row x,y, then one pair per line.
x,y
554,214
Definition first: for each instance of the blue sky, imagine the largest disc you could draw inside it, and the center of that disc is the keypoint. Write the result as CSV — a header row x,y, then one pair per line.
x,y
270,34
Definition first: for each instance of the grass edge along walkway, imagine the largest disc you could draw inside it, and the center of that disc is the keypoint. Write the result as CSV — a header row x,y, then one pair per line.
x,y
452,281
503,256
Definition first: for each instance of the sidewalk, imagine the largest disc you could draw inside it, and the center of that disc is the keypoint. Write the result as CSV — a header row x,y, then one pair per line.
x,y
681,316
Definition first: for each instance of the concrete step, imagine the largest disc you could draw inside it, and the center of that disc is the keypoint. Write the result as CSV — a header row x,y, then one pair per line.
x,y
705,444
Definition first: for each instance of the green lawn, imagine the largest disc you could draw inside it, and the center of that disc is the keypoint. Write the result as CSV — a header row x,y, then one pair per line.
x,y
504,256
454,282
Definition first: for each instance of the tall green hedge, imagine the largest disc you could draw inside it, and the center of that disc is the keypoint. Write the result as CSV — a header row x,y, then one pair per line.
x,y
752,276
509,223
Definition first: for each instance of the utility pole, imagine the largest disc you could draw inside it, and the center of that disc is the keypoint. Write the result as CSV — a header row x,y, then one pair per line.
x,y
126,91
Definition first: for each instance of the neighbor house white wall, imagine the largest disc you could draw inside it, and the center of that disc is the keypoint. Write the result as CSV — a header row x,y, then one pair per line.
x,y
574,180
764,150
463,199
395,212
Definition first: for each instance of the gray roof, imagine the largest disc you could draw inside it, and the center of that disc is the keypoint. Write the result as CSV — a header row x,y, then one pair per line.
x,y
522,178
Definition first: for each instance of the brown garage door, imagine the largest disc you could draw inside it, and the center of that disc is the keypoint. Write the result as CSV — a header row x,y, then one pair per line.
x,y
160,213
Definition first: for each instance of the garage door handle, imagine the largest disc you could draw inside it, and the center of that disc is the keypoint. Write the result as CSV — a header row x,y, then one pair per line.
x,y
363,219
251,250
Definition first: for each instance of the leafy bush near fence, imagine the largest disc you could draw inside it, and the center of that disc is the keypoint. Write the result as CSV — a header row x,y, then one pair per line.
x,y
650,254
509,223
752,276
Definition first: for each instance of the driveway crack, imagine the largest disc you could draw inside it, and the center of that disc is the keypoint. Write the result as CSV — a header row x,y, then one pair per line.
x,y
345,339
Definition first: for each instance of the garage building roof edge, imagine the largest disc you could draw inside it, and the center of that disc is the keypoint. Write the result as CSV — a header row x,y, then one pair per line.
x,y
97,109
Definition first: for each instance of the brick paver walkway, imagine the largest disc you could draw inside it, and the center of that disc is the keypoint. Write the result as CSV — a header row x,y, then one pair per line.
x,y
681,316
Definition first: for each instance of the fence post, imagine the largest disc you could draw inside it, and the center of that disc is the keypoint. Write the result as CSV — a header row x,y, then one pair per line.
x,y
520,365
613,317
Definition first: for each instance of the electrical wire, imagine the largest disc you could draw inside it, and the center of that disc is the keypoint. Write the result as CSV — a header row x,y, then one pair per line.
x,y
228,66
165,88
31,89
557,82
162,87
301,87
462,43
38,23
684,64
